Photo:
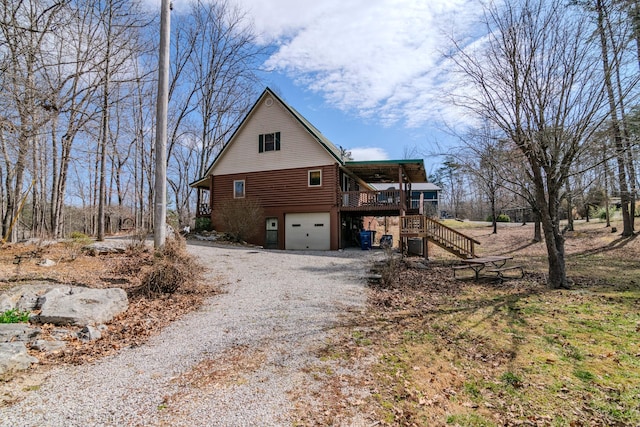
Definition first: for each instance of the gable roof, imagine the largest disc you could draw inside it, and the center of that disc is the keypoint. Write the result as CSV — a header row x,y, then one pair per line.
x,y
312,130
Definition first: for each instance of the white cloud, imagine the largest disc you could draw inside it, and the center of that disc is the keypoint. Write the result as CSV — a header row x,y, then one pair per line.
x,y
379,58
368,153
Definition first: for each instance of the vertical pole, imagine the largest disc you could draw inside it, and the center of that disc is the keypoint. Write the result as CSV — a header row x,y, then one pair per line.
x,y
160,187
402,210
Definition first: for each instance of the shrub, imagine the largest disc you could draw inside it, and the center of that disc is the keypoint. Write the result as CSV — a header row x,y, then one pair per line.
x,y
390,267
501,218
241,219
75,244
77,235
14,316
203,224
172,266
602,213
137,240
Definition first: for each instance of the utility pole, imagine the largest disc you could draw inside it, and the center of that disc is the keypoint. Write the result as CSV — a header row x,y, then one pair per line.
x,y
160,187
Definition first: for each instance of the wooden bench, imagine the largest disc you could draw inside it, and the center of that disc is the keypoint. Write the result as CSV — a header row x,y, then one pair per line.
x,y
499,271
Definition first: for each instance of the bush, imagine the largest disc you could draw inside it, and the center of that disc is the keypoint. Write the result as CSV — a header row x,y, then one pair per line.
x,y
137,241
75,244
77,235
172,267
602,213
501,218
390,267
241,219
203,224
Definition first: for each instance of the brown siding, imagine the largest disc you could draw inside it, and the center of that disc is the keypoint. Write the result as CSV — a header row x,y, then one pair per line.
x,y
285,191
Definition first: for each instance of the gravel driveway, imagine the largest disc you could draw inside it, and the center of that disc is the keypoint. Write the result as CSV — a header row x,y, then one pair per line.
x,y
235,362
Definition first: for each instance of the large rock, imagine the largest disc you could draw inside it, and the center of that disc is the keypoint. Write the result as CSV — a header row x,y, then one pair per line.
x,y
89,333
48,346
24,297
81,306
96,249
18,332
14,357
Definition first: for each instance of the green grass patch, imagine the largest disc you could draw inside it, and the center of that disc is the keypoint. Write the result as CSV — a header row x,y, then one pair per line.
x,y
469,420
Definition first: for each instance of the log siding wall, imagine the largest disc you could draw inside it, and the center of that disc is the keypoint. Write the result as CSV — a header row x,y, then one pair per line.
x,y
284,191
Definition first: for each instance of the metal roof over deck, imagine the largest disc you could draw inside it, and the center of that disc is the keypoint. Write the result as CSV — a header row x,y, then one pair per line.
x,y
387,171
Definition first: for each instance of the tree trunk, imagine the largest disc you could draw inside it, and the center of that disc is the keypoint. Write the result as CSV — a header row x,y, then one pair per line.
x,y
105,126
494,217
569,208
616,133
553,238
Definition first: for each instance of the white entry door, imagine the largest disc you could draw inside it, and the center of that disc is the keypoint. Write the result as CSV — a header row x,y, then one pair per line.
x,y
308,231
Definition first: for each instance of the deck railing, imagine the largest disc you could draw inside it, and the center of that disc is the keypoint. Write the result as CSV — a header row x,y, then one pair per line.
x,y
439,233
204,209
389,199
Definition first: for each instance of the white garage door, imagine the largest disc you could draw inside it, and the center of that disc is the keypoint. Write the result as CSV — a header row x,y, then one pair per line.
x,y
308,231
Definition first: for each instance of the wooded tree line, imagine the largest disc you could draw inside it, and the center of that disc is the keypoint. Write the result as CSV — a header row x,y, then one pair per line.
x,y
552,88
77,102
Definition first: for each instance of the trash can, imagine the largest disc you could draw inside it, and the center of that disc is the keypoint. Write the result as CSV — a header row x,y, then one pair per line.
x,y
386,241
365,240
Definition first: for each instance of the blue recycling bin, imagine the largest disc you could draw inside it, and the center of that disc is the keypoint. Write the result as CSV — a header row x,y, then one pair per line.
x,y
365,240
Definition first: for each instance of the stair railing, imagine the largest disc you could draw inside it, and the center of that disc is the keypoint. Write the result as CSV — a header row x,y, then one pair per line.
x,y
444,236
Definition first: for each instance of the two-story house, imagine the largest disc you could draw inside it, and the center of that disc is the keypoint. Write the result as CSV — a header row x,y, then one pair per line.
x,y
312,197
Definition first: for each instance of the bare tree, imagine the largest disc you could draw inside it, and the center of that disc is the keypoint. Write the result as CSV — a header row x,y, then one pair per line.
x,y
212,86
25,28
120,21
534,76
74,80
616,115
223,67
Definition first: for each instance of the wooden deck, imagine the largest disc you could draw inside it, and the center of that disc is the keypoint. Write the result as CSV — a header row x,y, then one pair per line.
x,y
370,201
204,210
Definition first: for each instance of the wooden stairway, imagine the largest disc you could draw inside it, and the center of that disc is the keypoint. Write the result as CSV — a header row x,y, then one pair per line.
x,y
447,238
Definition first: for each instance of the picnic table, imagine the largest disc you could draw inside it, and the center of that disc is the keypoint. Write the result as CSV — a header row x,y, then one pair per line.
x,y
493,264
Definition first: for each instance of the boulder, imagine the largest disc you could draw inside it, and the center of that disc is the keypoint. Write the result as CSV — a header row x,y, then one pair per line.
x,y
61,334
89,333
81,306
18,332
48,346
46,263
23,297
14,357
96,249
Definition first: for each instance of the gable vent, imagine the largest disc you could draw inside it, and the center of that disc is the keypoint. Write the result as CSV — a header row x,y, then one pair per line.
x,y
268,102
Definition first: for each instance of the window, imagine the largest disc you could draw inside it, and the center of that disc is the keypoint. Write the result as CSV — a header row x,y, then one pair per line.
x,y
269,142
315,178
238,189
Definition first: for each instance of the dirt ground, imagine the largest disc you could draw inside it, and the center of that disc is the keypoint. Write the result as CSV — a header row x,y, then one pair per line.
x,y
434,363
146,315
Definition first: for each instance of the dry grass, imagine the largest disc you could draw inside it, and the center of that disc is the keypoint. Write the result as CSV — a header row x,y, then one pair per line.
x,y
465,353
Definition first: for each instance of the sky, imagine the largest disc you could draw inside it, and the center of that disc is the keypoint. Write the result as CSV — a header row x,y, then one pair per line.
x,y
369,74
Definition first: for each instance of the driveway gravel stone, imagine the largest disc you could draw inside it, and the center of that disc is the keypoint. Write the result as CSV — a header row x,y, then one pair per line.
x,y
234,362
